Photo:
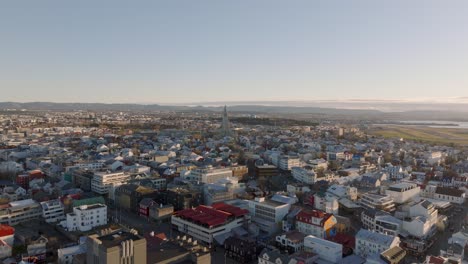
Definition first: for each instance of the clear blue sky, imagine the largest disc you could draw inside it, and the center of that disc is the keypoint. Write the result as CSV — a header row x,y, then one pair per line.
x,y
192,51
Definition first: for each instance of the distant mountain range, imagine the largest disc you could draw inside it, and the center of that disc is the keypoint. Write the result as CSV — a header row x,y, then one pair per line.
x,y
355,109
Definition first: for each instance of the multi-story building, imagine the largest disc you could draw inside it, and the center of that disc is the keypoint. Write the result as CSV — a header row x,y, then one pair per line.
x,y
267,214
102,181
286,162
53,211
120,247
326,250
239,171
265,170
316,223
445,194
86,217
66,255
210,174
421,220
17,212
241,250
128,196
381,222
341,191
214,193
326,202
181,198
304,175
378,202
403,192
292,241
203,223
82,179
370,243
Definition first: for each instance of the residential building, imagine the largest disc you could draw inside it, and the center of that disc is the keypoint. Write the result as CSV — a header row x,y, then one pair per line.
x,y
214,193
204,223
128,196
326,202
21,211
403,192
292,241
241,250
86,217
239,171
274,256
82,179
304,175
370,243
421,220
210,174
381,222
118,247
161,213
286,162
53,211
181,198
7,238
268,214
316,223
326,250
341,191
394,255
102,181
66,255
378,202
445,194
265,170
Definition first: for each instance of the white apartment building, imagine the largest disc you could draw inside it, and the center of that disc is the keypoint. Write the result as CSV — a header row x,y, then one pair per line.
x,y
381,222
341,191
205,223
102,181
267,214
326,250
92,166
421,220
307,176
209,174
53,211
370,243
379,202
287,162
86,217
20,211
326,202
445,194
403,192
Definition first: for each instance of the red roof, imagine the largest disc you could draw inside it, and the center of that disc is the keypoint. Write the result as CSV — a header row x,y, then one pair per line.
x,y
436,260
6,230
236,211
211,216
307,216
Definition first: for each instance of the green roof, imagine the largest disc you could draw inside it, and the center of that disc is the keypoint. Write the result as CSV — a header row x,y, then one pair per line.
x,y
89,201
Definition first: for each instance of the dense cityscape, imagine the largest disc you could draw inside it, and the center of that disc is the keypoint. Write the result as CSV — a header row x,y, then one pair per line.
x,y
219,187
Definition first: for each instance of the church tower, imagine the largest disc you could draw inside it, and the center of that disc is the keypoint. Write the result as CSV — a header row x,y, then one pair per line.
x,y
225,128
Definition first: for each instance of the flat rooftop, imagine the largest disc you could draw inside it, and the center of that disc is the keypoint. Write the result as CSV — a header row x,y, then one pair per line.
x,y
115,239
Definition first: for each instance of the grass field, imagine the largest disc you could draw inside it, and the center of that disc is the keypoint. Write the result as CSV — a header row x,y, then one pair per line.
x,y
423,133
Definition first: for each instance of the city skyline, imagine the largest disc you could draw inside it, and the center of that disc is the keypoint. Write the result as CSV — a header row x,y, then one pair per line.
x,y
209,51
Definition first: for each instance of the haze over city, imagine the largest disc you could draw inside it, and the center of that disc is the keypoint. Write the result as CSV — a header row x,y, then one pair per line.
x,y
236,51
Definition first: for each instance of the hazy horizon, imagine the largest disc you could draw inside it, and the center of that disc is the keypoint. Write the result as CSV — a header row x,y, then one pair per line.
x,y
184,52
